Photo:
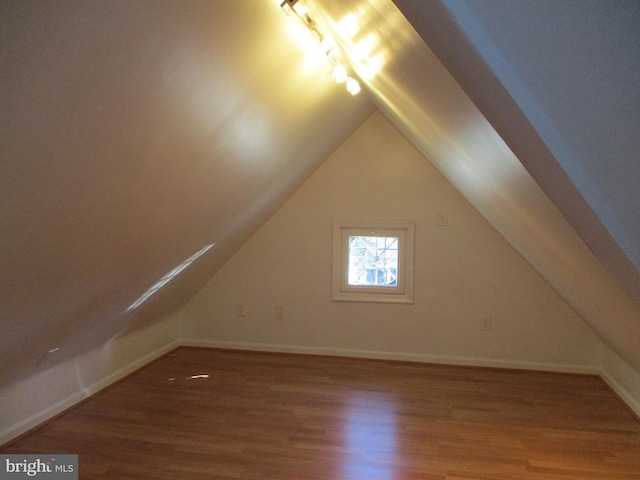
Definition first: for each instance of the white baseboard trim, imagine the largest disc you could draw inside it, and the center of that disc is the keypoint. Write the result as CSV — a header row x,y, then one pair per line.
x,y
398,356
33,421
23,426
621,392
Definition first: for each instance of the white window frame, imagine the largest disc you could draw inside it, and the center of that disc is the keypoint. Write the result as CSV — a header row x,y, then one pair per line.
x,y
342,291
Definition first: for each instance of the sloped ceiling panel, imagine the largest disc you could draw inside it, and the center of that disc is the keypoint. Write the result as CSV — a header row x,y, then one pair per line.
x,y
560,82
421,98
134,135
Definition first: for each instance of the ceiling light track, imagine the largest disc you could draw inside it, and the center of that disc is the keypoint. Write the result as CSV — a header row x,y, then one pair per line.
x,y
331,49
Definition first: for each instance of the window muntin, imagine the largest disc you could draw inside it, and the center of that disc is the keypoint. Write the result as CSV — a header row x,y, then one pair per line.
x,y
373,261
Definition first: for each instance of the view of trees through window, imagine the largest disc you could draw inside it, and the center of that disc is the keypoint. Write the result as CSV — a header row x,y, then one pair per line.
x,y
373,261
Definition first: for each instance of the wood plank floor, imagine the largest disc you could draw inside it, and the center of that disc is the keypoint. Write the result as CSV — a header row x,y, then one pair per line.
x,y
273,416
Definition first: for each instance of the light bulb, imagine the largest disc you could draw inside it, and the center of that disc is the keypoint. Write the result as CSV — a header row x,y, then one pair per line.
x,y
353,87
294,6
339,73
328,44
300,8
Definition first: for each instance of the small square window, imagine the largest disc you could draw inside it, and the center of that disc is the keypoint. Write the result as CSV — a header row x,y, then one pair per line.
x,y
373,261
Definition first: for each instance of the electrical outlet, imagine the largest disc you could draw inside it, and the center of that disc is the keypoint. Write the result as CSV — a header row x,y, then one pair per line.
x,y
485,324
239,310
280,312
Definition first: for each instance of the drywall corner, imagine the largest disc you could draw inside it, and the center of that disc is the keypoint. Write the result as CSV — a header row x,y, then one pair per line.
x,y
623,379
34,400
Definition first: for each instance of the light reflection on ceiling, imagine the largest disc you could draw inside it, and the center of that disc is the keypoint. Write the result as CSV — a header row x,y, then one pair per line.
x,y
168,277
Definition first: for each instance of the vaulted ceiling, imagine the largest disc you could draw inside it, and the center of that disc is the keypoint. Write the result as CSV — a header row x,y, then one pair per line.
x,y
139,135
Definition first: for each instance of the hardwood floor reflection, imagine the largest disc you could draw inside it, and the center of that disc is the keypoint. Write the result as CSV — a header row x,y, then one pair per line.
x,y
200,413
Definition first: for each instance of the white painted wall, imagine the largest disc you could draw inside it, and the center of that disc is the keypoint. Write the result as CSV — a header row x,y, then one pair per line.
x,y
27,403
623,379
463,271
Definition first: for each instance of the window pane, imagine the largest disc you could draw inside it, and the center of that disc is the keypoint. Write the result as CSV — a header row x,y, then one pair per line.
x,y
373,261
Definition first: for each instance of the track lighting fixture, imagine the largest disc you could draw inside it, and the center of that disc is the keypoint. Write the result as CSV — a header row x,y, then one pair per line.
x,y
331,49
